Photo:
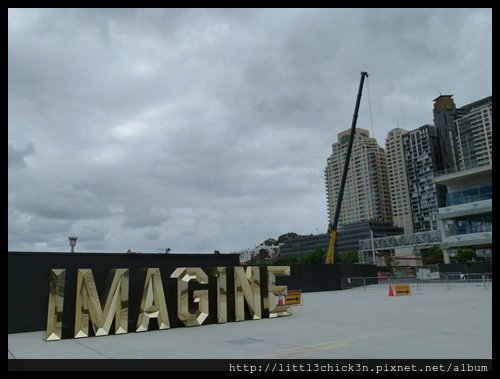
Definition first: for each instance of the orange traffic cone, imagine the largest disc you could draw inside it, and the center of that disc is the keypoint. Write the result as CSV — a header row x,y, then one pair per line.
x,y
391,293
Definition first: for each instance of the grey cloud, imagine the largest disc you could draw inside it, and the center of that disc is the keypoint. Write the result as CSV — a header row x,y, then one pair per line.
x,y
61,203
90,231
203,129
152,235
138,216
17,156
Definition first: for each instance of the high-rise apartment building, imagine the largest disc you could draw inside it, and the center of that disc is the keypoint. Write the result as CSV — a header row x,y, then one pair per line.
x,y
422,154
366,193
464,133
460,138
398,180
445,113
474,128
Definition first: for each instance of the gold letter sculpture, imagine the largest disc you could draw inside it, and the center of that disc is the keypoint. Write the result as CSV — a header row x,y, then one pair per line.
x,y
220,274
183,276
247,287
277,294
56,303
89,306
153,304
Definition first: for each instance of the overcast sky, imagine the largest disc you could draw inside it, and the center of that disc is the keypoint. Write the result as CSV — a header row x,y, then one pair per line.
x,y
201,129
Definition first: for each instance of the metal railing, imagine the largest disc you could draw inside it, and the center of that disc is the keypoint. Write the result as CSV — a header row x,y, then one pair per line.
x,y
464,167
447,280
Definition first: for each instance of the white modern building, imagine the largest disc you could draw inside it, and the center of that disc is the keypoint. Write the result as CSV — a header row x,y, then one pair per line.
x,y
466,220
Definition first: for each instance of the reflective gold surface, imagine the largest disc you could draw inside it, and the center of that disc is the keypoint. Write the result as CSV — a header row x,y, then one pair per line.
x,y
200,297
247,287
192,311
221,295
56,303
276,301
153,304
117,301
88,306
220,274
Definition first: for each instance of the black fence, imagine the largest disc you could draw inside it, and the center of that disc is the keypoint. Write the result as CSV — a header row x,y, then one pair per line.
x,y
474,268
322,277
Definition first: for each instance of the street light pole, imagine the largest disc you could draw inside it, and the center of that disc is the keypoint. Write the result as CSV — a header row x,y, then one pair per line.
x,y
72,243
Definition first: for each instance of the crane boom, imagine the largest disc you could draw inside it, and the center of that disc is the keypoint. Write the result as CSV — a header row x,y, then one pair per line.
x,y
332,228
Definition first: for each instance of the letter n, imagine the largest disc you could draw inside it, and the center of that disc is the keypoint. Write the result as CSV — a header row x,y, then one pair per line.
x,y
247,288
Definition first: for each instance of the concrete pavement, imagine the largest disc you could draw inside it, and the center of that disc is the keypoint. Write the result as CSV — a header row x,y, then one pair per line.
x,y
433,323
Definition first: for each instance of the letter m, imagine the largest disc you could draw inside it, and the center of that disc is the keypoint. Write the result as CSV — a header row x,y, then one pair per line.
x,y
88,306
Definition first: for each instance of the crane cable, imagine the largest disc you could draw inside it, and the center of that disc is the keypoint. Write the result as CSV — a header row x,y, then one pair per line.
x,y
370,105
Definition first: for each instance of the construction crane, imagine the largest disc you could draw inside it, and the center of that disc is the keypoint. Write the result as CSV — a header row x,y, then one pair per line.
x,y
332,227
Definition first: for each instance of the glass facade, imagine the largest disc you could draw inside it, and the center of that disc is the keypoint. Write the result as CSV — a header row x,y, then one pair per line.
x,y
468,225
469,195
304,244
349,235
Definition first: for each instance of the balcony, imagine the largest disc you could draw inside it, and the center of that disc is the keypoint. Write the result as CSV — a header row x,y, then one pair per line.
x,y
466,209
468,229
471,239
454,170
475,194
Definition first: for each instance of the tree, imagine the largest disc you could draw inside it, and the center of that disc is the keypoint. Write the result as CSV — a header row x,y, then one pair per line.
x,y
390,263
432,255
464,256
263,254
286,260
270,242
316,256
287,236
349,257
